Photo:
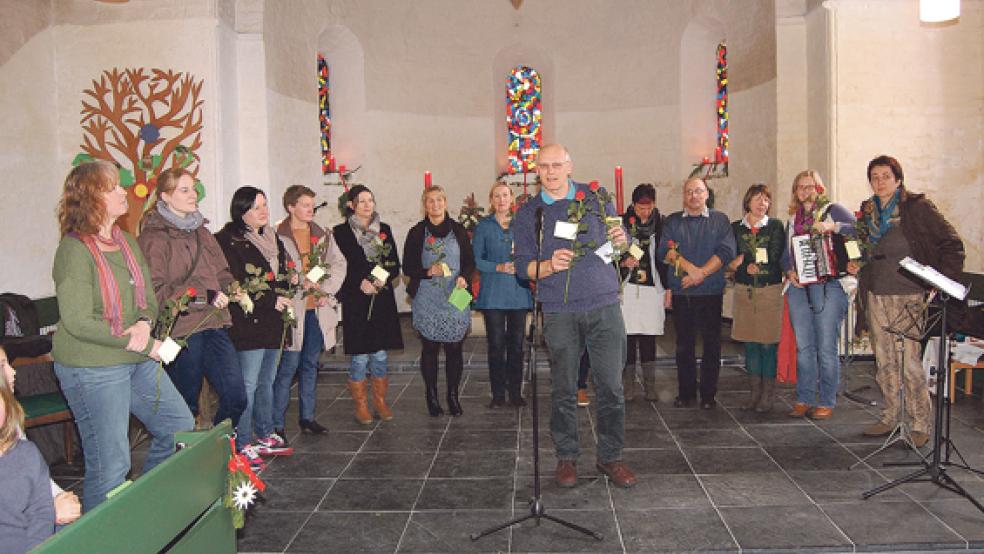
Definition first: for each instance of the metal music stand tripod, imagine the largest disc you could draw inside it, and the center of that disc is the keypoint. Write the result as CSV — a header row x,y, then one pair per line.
x,y
911,323
934,468
537,511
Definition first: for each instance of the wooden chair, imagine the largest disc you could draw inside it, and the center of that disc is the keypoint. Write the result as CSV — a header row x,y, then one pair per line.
x,y
47,409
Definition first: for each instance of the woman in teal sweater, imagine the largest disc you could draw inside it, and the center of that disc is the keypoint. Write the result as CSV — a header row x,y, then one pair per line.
x,y
105,359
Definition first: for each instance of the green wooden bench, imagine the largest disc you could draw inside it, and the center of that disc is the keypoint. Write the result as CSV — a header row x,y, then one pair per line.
x,y
176,507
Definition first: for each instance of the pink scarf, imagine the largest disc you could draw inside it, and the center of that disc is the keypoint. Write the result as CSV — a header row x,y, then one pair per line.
x,y
112,305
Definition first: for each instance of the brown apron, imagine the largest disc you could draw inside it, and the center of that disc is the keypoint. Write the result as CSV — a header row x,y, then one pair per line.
x,y
757,314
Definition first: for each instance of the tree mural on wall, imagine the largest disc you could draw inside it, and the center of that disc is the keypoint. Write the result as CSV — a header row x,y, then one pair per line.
x,y
146,121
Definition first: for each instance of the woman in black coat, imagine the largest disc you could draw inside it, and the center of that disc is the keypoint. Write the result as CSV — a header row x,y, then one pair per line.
x,y
371,324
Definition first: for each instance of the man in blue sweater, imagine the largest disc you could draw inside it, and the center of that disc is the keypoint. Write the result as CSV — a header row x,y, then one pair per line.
x,y
697,242
578,289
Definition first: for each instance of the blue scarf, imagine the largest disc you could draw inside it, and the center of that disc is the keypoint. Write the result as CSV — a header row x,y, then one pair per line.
x,y
883,217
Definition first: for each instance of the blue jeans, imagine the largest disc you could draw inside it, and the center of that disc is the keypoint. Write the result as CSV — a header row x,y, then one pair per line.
x,y
211,353
376,362
602,332
102,399
816,312
259,369
305,364
504,330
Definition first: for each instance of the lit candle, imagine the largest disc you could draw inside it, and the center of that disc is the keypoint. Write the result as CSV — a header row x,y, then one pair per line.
x,y
717,154
331,163
619,208
427,180
341,169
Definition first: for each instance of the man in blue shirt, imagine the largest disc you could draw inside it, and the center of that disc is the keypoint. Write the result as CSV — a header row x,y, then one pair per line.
x,y
579,294
702,243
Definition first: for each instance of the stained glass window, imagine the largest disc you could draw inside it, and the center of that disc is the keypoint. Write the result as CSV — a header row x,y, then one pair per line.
x,y
327,160
523,102
721,151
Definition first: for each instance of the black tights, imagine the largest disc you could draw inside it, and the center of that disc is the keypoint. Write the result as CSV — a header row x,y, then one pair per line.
x,y
647,348
454,362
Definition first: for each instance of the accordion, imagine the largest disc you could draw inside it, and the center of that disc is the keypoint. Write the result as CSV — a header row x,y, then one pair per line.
x,y
819,257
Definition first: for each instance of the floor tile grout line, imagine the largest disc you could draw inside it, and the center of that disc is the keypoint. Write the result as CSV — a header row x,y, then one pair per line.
x,y
423,483
703,487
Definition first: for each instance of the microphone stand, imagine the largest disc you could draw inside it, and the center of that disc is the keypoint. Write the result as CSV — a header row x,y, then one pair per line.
x,y
537,511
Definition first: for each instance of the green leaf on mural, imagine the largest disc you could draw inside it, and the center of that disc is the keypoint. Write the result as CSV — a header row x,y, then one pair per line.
x,y
126,178
200,189
81,158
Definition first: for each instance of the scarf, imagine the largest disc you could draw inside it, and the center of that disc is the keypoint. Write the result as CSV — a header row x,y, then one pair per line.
x,y
189,222
365,235
438,231
265,240
881,219
108,288
802,222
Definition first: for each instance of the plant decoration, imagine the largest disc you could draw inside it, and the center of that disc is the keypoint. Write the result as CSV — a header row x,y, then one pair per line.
x,y
818,208
436,246
145,121
470,214
242,486
675,248
604,198
639,273
577,209
379,258
754,242
317,270
292,277
861,222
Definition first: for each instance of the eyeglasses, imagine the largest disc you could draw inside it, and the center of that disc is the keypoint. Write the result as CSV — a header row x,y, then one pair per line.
x,y
694,192
556,166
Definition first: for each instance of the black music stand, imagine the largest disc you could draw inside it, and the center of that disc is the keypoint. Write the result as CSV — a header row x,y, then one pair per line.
x,y
934,468
537,510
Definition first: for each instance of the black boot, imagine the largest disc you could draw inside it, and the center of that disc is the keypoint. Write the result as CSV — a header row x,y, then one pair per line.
x,y
454,407
454,368
433,406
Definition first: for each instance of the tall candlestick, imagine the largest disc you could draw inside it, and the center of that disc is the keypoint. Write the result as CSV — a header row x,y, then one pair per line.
x,y
427,180
619,206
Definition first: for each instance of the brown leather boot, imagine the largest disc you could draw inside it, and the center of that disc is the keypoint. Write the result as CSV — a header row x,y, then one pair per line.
x,y
379,386
358,389
755,385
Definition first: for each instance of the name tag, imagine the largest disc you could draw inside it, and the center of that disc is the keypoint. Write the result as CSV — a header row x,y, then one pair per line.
x,y
853,250
168,350
380,274
636,252
315,274
761,256
605,252
565,230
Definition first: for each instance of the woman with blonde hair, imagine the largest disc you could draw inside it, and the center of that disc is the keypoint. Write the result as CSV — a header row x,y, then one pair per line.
x,y
503,299
437,258
105,359
816,310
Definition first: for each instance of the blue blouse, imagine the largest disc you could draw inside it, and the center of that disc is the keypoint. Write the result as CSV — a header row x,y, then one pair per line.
x,y
498,291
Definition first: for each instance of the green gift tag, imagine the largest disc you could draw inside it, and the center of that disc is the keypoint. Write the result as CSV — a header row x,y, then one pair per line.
x,y
460,298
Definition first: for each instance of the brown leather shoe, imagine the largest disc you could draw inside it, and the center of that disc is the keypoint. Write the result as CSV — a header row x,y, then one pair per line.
x,y
919,439
799,410
821,412
566,474
879,429
618,473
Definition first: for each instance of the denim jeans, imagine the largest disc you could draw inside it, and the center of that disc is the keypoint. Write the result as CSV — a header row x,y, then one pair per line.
x,y
305,364
211,353
504,329
816,312
584,367
259,369
102,399
375,362
602,332
693,315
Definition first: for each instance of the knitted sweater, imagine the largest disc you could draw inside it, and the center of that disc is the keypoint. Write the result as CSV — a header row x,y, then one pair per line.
x,y
27,512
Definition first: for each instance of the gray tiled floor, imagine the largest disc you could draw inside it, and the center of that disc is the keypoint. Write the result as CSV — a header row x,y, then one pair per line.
x,y
722,480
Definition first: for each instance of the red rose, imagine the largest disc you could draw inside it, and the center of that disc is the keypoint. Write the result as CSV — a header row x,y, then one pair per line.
x,y
579,195
314,239
671,243
820,189
514,208
431,240
755,230
631,220
858,214
192,292
382,236
594,186
269,276
291,264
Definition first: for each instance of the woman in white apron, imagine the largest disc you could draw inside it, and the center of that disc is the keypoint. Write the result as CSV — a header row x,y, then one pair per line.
x,y
644,293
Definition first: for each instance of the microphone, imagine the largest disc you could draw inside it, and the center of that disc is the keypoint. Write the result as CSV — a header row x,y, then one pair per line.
x,y
319,206
539,220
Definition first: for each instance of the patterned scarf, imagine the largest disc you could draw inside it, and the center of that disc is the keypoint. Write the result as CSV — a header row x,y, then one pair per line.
x,y
881,219
108,288
265,240
365,235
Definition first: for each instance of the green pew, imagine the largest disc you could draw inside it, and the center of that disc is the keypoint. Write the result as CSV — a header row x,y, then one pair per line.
x,y
176,507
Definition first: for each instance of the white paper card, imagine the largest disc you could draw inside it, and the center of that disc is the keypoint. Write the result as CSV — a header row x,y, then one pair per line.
x,y
565,230
636,252
168,350
853,251
315,274
761,256
446,269
380,274
605,252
